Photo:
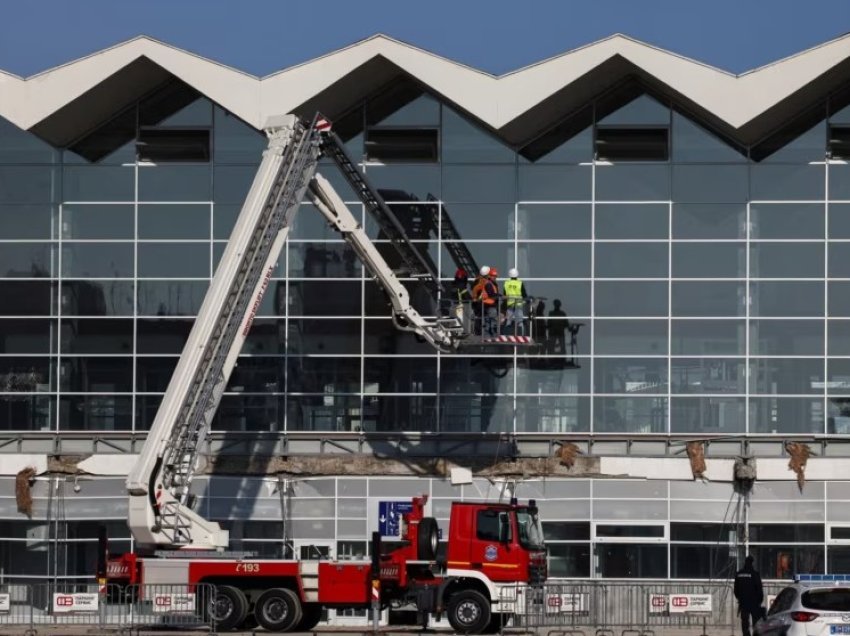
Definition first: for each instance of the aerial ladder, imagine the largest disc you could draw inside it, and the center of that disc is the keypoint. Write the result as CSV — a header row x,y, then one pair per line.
x,y
161,512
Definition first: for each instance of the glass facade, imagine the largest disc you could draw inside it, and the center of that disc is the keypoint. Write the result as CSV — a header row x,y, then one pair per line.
x,y
711,281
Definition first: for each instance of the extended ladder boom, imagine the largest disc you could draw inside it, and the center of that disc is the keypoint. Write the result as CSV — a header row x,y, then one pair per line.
x,y
159,485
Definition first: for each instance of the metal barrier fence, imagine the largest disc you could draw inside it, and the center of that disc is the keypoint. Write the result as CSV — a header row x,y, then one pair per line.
x,y
614,608
126,609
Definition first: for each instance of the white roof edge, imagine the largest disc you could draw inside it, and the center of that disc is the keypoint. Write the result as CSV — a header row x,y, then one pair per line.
x,y
495,101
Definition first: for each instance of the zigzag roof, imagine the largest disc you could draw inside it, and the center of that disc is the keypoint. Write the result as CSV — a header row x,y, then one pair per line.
x,y
61,103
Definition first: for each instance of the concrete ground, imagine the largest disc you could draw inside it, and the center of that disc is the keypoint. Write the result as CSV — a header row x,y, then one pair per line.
x,y
91,630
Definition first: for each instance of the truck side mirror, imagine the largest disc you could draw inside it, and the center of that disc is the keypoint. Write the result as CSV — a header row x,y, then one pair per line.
x,y
504,527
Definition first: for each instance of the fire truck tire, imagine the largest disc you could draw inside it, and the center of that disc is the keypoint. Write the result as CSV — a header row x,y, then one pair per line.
x,y
428,539
278,610
312,616
229,607
469,612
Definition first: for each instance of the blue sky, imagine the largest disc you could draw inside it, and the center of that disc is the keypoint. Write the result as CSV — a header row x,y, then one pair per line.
x,y
261,36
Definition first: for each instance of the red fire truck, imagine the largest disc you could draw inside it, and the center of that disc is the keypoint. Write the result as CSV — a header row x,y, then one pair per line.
x,y
494,550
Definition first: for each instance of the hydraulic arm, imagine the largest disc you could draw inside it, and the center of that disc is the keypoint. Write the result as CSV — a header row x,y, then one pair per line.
x,y
159,485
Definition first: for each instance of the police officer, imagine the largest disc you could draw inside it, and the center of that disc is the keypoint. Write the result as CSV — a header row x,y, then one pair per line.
x,y
515,296
749,592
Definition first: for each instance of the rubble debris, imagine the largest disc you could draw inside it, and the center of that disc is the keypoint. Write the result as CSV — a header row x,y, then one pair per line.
x,y
799,454
696,454
567,454
23,490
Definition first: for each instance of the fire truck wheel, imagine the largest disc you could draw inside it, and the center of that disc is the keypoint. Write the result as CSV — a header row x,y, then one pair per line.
x,y
312,616
229,607
428,539
469,612
278,610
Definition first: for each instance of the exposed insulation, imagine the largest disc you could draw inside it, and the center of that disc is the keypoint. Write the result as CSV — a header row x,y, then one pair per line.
x,y
696,453
23,490
568,453
799,454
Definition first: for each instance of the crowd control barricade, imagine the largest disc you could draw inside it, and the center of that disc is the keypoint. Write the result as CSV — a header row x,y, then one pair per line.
x,y
141,607
623,608
16,606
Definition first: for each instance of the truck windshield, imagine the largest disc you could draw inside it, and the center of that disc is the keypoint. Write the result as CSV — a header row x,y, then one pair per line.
x,y
530,531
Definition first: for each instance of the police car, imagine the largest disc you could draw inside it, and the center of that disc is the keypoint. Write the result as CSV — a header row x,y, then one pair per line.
x,y
814,605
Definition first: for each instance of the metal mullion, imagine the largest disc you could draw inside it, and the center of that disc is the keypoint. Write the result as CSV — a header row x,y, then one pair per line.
x,y
825,305
135,346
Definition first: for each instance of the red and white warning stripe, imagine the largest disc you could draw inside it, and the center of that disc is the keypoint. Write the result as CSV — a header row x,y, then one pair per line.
x,y
510,339
323,125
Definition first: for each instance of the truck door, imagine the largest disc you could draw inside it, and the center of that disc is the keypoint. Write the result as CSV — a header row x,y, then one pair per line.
x,y
493,548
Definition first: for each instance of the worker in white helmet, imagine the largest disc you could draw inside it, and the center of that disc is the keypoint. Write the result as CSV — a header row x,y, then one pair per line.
x,y
515,299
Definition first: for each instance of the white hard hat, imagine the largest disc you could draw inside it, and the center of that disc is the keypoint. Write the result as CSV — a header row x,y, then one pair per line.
x,y
512,272
485,269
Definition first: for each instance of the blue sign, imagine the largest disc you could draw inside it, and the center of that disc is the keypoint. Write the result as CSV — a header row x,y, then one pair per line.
x,y
491,553
389,517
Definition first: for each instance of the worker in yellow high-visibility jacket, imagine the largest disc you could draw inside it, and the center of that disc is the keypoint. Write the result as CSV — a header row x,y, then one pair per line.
x,y
515,297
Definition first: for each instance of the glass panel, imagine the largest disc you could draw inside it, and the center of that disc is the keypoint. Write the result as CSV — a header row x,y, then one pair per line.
x,y
784,561
28,413
538,376
95,413
97,298
839,181
162,335
709,260
568,560
573,298
786,337
324,336
98,183
648,221
27,336
266,337
154,374
170,298
20,146
707,337
543,221
786,299
708,299
106,221
630,375
26,260
786,533
419,413
325,298
234,141
555,183
838,415
701,561
694,144
250,413
97,260
174,221
25,375
626,182
630,414
498,254
422,111
27,298
399,375
476,375
174,260
631,260
787,220
381,337
463,142
551,414
26,222
631,298
176,183
323,375
707,375
479,184
839,260
839,220
786,415
708,415
787,182
489,221
787,260
323,260
576,149
224,218
475,413
839,338
632,561
630,337
97,335
709,221
553,260
801,147
643,110
96,375
400,182
710,183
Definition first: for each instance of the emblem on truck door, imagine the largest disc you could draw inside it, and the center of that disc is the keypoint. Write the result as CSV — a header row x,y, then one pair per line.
x,y
491,553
